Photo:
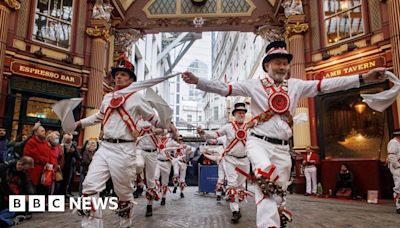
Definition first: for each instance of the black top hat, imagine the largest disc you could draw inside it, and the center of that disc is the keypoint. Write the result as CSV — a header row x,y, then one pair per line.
x,y
396,132
276,49
124,65
239,107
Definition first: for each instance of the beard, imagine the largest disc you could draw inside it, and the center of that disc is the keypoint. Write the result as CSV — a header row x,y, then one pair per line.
x,y
239,120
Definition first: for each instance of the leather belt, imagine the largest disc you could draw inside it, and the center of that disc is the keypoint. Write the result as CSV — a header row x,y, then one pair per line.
x,y
117,140
271,140
149,150
163,160
237,156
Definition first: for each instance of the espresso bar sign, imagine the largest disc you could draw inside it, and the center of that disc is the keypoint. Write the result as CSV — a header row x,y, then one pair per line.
x,y
45,73
354,68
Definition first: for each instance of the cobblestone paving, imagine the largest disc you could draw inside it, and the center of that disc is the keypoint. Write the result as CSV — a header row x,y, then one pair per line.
x,y
197,211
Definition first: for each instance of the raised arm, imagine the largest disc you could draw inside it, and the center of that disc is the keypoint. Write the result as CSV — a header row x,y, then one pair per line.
x,y
218,87
211,134
313,87
93,119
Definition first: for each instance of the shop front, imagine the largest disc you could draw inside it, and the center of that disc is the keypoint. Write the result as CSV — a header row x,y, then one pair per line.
x,y
32,90
349,132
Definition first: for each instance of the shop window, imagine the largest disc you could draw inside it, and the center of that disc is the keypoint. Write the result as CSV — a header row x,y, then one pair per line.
x,y
41,108
348,128
53,22
343,19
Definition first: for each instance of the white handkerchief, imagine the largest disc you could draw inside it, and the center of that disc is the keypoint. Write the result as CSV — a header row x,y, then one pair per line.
x,y
162,107
300,118
381,101
63,110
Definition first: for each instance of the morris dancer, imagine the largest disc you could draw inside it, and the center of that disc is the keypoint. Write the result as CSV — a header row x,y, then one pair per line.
x,y
147,147
273,102
116,155
234,156
180,163
166,146
394,166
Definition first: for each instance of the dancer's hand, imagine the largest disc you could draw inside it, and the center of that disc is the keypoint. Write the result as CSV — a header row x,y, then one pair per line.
x,y
374,75
200,131
190,78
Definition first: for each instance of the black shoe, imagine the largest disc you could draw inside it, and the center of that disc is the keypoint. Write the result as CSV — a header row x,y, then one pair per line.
x,y
398,210
163,201
240,214
235,217
137,192
149,210
182,196
219,198
174,191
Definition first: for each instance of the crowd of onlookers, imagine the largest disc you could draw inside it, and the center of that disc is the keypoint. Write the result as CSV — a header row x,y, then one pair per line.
x,y
42,163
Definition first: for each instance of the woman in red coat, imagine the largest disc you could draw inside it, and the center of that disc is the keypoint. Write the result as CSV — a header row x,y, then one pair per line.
x,y
38,148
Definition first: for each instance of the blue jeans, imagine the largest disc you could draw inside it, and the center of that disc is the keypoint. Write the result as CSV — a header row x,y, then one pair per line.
x,y
6,218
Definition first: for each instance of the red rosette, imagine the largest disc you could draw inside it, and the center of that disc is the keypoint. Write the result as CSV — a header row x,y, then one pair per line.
x,y
279,102
161,146
117,101
241,134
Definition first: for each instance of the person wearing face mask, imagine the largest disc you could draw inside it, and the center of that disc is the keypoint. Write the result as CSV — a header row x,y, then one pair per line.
x,y
274,99
234,156
71,156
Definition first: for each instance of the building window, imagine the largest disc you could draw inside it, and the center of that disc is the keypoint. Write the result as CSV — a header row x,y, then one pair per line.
x,y
53,22
215,113
199,118
189,118
349,128
343,19
177,98
178,87
177,110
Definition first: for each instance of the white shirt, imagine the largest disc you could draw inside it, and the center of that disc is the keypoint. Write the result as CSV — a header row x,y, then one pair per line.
x,y
229,132
171,146
115,127
394,153
297,89
148,141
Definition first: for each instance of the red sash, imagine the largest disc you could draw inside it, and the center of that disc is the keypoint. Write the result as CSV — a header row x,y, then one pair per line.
x,y
148,131
240,136
117,104
278,102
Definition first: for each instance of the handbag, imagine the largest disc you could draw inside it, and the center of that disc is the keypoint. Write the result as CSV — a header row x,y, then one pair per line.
x,y
59,174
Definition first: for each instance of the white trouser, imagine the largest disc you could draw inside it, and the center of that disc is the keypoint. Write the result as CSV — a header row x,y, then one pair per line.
x,y
139,168
163,170
115,160
235,180
396,179
150,166
180,171
221,176
262,154
310,173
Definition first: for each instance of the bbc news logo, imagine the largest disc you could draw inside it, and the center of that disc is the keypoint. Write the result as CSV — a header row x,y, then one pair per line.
x,y
56,203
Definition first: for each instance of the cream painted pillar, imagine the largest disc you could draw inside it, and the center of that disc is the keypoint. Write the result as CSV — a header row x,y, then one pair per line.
x,y
99,31
394,28
295,29
5,10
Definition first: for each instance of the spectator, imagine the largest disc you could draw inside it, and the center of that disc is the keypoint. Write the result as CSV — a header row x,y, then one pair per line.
x,y
14,180
55,156
344,179
19,144
3,143
310,160
38,148
89,148
70,157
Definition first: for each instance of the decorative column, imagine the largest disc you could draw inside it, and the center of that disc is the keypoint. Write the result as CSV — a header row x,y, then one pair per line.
x,y
6,7
394,28
99,30
295,27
